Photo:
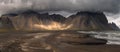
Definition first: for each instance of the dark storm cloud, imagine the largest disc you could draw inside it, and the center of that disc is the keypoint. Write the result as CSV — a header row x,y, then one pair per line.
x,y
112,6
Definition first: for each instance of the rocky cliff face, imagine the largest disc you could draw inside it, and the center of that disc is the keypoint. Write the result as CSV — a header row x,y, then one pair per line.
x,y
5,22
89,21
30,20
114,26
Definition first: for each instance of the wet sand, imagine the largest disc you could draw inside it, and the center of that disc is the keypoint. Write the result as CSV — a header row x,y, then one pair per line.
x,y
51,42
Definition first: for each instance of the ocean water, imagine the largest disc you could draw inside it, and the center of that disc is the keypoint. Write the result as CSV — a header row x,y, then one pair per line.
x,y
113,37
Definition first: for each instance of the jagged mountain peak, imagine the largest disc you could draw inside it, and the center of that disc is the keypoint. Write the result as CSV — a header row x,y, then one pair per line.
x,y
86,20
83,20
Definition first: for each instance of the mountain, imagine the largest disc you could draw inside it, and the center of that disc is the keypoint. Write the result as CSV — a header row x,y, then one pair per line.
x,y
31,20
58,18
114,26
6,23
89,21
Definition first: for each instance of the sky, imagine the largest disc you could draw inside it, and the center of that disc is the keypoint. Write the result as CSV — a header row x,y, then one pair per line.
x,y
110,6
65,7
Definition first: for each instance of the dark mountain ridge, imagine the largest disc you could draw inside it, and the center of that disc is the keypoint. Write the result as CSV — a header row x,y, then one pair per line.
x,y
80,21
89,21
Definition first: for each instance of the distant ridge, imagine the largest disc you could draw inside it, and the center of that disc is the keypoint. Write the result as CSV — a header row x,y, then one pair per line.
x,y
83,20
